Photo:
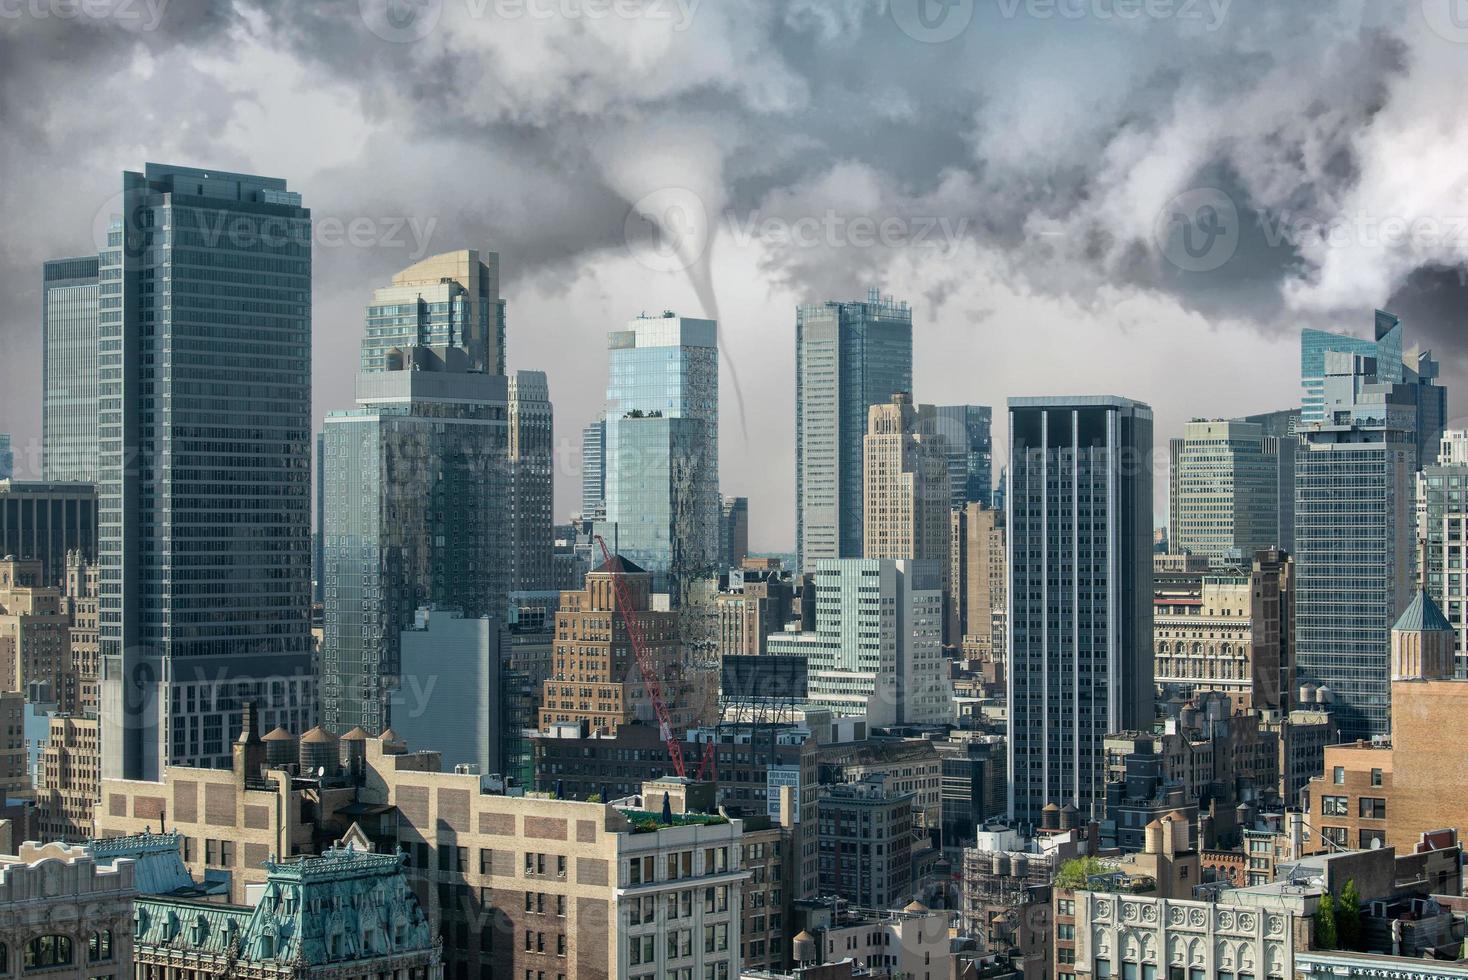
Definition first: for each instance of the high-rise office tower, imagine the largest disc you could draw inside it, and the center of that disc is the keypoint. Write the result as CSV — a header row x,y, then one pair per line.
x,y
877,647
733,532
7,457
1080,593
967,431
416,515
69,369
318,535
532,472
662,449
1223,498
1354,538
204,466
594,470
447,300
1442,529
1282,439
1385,349
848,357
905,483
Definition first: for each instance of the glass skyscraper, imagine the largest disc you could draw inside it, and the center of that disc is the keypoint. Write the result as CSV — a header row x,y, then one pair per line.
x,y
416,481
204,466
1429,398
594,470
69,369
531,449
1354,539
848,357
1080,594
447,300
967,429
662,448
7,457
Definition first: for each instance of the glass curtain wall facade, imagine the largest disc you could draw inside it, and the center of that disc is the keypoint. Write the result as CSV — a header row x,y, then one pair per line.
x,y
69,369
662,449
204,464
594,470
1354,541
848,357
448,300
416,480
1080,594
532,470
1442,526
967,430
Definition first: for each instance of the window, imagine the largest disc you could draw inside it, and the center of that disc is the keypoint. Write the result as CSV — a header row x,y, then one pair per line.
x,y
485,861
1373,808
1372,838
99,947
1375,781
47,951
1335,806
1338,775
1065,931
1336,835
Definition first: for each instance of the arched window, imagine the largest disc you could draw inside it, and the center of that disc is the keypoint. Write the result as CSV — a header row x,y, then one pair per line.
x,y
99,947
47,951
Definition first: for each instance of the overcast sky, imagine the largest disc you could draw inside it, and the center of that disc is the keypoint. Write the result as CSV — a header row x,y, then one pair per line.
x,y
1139,197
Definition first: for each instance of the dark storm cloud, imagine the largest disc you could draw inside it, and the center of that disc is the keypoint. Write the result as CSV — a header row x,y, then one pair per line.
x,y
1050,146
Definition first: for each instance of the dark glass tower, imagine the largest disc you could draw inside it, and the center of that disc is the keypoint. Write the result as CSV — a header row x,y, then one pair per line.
x,y
204,465
1080,594
69,369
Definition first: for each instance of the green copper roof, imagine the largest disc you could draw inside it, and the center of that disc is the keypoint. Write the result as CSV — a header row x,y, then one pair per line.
x,y
342,906
159,870
1423,616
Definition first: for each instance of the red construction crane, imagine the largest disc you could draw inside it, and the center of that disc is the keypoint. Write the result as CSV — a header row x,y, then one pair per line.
x,y
644,660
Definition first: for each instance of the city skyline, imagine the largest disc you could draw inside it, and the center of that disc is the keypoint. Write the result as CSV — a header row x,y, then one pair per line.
x,y
1124,313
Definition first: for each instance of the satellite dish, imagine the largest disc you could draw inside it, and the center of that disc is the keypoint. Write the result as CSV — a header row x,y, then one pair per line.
x,y
320,772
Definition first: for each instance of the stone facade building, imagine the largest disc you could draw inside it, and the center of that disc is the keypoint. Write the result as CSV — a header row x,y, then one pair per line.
x,y
66,915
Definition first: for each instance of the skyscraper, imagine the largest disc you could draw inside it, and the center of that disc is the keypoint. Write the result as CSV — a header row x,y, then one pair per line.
x,y
416,515
204,465
662,448
1354,538
1442,527
1223,499
877,649
1282,439
848,357
967,431
447,300
733,532
7,457
906,489
594,470
532,472
69,369
1079,526
977,579
1429,398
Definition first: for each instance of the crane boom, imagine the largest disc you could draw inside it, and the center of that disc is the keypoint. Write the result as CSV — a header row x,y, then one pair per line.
x,y
645,665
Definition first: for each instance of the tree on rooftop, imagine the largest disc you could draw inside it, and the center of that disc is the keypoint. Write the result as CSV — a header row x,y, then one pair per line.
x,y
1325,934
1076,874
1348,917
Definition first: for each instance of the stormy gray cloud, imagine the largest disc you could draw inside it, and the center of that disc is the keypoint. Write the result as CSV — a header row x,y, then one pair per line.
x,y
1147,197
